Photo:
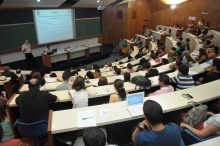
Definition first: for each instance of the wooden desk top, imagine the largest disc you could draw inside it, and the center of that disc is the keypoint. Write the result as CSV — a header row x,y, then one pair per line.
x,y
114,116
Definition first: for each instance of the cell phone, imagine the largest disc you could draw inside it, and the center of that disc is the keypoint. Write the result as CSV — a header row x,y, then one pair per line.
x,y
188,96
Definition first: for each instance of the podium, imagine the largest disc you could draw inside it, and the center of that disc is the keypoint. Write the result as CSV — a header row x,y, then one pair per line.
x,y
71,53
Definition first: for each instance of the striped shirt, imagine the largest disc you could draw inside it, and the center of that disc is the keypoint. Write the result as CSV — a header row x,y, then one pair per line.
x,y
183,82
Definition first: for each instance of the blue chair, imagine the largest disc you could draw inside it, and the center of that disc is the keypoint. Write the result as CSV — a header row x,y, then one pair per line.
x,y
190,138
32,130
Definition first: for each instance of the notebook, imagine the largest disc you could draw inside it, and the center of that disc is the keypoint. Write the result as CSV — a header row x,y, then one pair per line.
x,y
135,104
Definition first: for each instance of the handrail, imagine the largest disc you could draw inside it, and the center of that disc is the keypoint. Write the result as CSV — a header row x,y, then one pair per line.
x,y
214,27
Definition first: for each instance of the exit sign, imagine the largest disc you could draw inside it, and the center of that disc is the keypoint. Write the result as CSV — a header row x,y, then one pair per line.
x,y
205,12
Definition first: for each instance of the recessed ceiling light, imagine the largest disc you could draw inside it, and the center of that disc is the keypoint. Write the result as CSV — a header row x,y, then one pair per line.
x,y
173,6
38,1
97,1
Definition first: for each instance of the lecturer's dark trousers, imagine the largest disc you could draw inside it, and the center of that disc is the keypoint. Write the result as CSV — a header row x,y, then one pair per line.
x,y
30,60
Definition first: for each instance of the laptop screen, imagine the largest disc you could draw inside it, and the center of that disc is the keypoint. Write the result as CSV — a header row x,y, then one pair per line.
x,y
135,98
55,50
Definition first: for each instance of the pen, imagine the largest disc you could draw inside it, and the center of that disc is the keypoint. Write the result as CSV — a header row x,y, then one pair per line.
x,y
87,118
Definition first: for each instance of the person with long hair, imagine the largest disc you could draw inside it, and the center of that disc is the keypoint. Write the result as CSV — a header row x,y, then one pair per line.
x,y
190,61
205,128
102,81
203,56
78,93
120,94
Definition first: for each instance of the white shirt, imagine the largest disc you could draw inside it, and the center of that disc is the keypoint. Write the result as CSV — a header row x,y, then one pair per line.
x,y
79,98
215,120
26,48
48,50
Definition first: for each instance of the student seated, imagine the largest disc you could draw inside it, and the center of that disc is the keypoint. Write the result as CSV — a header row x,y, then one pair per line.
x,y
102,81
150,71
170,54
163,81
212,52
155,133
120,94
3,95
183,80
124,50
89,75
208,44
97,73
34,104
127,77
94,136
161,52
129,68
190,61
95,66
65,85
164,61
207,128
37,75
11,142
186,49
5,123
203,56
214,73
117,71
13,76
78,93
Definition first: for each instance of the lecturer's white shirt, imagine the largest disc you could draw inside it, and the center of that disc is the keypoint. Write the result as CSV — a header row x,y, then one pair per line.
x,y
26,48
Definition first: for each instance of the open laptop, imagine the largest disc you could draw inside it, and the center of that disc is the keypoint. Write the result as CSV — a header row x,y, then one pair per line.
x,y
54,50
135,103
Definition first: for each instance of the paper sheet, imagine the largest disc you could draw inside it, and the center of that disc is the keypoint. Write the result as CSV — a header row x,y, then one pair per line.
x,y
94,82
50,80
192,72
142,73
91,90
107,90
110,73
103,112
121,77
86,118
204,65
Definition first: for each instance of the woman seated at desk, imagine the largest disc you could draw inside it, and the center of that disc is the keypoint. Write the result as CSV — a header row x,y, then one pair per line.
x,y
120,94
78,93
207,128
212,52
203,56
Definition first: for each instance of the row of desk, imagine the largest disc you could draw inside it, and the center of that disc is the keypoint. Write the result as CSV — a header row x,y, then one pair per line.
x,y
170,102
115,116
71,53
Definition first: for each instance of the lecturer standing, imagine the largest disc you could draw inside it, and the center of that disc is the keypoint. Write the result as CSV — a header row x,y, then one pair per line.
x,y
26,48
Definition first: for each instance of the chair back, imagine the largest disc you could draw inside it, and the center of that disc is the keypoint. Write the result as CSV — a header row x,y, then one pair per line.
x,y
190,138
32,130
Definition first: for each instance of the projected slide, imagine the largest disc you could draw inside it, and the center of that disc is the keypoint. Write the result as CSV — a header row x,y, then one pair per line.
x,y
54,25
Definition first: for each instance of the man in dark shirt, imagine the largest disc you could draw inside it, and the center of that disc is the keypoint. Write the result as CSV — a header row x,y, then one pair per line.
x,y
156,133
13,76
9,73
34,104
150,72
214,73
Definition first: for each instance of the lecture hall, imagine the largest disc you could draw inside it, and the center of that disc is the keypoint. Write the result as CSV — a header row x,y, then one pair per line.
x,y
109,73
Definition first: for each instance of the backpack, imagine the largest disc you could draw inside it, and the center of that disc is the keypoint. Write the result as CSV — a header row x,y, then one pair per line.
x,y
141,81
196,115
